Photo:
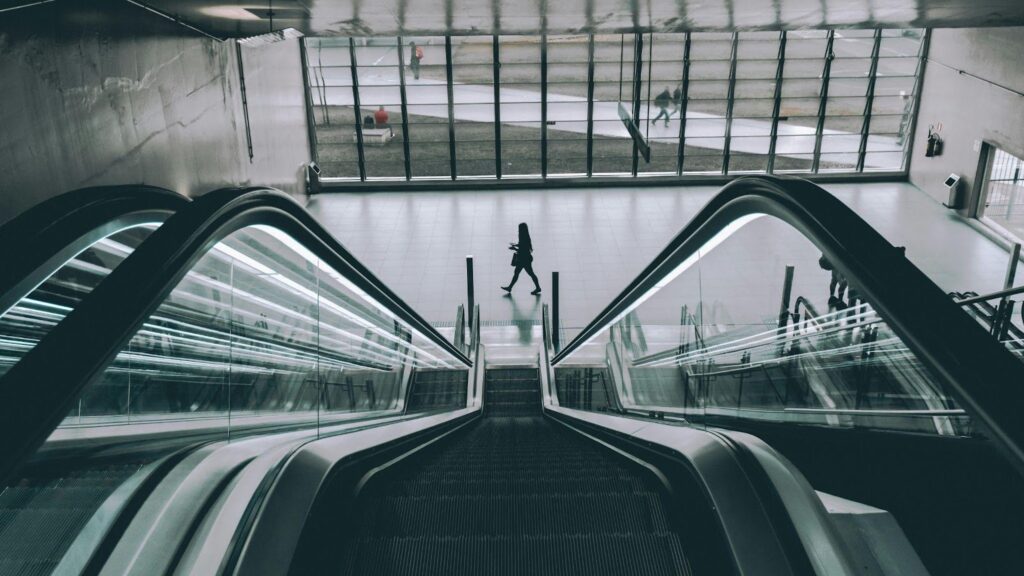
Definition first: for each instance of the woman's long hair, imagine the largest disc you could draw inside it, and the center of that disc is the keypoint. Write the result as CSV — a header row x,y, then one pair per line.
x,y
524,237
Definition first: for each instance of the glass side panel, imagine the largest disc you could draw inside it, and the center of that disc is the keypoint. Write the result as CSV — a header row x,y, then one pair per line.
x,y
32,318
258,332
756,325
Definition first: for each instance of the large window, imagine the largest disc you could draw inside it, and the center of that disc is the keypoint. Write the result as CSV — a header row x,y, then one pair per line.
x,y
705,103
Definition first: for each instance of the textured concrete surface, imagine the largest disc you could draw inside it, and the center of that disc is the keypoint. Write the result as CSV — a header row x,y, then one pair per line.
x,y
107,93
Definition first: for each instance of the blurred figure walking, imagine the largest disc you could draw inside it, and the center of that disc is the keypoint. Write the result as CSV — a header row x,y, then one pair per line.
x,y
662,101
415,55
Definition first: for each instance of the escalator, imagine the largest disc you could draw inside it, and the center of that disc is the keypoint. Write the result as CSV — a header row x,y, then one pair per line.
x,y
515,494
66,247
229,363
240,395
897,399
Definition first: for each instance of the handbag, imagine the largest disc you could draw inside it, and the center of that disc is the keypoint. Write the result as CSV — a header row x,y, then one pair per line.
x,y
515,258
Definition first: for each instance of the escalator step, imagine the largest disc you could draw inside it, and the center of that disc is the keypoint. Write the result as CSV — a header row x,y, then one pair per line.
x,y
514,494
41,514
504,514
456,483
570,555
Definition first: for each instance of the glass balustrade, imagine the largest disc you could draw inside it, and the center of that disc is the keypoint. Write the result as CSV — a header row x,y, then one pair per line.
x,y
258,334
23,325
756,325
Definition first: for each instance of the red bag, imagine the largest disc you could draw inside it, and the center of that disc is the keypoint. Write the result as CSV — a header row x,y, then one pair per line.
x,y
419,53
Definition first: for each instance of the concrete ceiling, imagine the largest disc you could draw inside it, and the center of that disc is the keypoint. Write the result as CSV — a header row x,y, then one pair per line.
x,y
426,17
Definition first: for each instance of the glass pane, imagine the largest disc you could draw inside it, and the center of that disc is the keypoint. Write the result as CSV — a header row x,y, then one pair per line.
x,y
801,99
473,88
567,103
380,110
613,83
27,322
426,80
661,87
334,115
259,331
520,105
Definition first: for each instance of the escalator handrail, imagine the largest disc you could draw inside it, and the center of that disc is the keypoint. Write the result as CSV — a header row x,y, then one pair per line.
x,y
953,346
55,230
974,299
78,349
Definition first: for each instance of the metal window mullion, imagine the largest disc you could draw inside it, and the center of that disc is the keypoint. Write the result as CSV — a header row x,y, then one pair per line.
x,y
590,105
682,105
638,65
822,104
310,117
356,108
922,59
869,101
730,100
405,109
777,104
496,65
453,163
544,106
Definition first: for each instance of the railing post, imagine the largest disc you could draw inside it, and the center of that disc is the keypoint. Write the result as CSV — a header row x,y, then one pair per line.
x,y
469,286
787,293
554,311
1001,316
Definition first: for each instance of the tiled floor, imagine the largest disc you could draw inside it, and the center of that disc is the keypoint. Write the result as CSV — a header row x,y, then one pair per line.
x,y
599,239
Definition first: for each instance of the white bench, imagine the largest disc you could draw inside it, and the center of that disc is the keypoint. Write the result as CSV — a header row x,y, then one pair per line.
x,y
375,136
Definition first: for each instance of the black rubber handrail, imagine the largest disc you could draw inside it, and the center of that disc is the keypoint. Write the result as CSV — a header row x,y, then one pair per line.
x,y
36,394
981,374
41,239
992,296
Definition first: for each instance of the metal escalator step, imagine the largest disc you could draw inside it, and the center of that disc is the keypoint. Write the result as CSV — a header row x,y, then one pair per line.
x,y
514,494
456,483
567,555
41,514
504,514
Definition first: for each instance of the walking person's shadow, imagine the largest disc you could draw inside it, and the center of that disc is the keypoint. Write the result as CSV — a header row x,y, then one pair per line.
x,y
524,320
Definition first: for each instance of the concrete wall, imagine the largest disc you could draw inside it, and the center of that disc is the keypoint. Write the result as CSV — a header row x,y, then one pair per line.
x,y
106,93
969,109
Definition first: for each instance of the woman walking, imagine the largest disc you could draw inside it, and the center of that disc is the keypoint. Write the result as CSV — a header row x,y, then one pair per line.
x,y
522,259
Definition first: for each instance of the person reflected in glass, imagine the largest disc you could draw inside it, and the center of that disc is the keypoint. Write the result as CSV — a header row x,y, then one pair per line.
x,y
522,259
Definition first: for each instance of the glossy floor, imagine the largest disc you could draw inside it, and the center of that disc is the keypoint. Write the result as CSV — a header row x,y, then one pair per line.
x,y
600,239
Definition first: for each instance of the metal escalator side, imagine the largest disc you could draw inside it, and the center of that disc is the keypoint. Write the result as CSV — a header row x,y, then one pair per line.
x,y
236,330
